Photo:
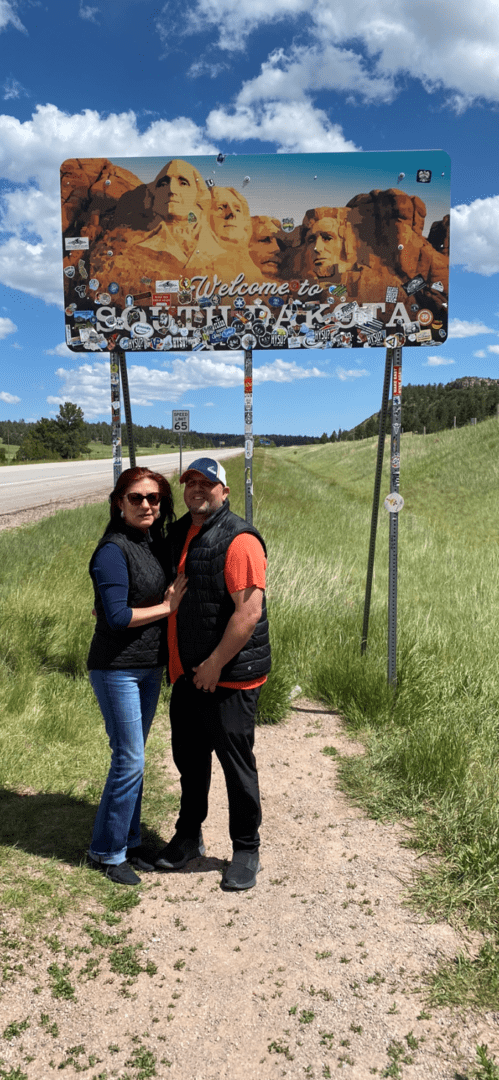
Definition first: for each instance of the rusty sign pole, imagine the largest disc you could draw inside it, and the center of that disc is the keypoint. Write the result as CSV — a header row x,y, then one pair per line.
x,y
114,363
128,411
248,435
377,488
394,515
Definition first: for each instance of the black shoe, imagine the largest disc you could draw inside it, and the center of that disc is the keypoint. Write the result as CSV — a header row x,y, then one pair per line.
x,y
121,874
242,871
141,857
180,851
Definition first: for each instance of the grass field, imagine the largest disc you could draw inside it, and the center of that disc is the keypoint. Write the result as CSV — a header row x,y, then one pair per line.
x,y
432,748
98,450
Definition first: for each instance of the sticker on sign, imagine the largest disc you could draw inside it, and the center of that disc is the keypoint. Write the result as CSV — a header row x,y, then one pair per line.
x,y
393,502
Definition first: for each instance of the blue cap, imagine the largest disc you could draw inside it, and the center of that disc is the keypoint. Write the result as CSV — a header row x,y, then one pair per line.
x,y
210,468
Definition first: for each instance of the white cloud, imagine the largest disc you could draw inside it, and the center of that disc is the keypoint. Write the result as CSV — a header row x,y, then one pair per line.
x,y
460,328
285,371
60,350
480,354
87,12
37,147
309,70
10,399
200,68
475,236
296,126
31,154
88,385
8,16
12,89
452,46
437,361
344,375
493,348
6,327
209,404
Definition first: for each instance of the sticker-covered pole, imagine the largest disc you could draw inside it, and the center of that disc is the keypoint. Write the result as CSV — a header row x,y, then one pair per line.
x,y
114,361
128,411
377,488
248,435
394,516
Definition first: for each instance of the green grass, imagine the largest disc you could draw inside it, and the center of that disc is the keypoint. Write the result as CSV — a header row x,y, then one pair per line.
x,y
432,748
98,450
102,450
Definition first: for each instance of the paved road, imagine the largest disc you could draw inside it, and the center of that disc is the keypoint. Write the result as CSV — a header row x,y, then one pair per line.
x,y
30,486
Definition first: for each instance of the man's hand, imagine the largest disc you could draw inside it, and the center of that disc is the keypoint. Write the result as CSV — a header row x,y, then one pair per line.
x,y
207,675
248,608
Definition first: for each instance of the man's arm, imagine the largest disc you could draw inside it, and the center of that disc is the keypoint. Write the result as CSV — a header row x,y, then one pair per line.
x,y
238,631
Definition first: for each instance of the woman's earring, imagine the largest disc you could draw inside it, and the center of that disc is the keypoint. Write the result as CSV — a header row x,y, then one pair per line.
x,y
122,514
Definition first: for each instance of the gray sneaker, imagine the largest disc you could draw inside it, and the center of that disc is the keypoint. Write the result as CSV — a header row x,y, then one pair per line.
x,y
242,871
180,851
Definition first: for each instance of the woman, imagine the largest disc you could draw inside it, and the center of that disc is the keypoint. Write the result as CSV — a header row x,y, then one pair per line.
x,y
127,655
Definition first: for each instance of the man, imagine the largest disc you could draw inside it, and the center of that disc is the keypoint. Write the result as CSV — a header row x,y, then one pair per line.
x,y
219,659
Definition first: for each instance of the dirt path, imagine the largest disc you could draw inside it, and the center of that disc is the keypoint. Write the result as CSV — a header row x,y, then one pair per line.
x,y
315,969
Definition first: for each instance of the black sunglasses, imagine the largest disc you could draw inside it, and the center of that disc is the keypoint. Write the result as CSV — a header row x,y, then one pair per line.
x,y
136,499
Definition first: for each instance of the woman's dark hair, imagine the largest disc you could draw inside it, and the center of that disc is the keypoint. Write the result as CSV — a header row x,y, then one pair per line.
x,y
129,477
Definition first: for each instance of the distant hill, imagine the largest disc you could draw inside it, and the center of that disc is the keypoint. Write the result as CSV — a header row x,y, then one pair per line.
x,y
434,407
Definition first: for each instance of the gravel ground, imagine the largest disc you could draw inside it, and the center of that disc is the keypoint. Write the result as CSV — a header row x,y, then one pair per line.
x,y
318,968
31,514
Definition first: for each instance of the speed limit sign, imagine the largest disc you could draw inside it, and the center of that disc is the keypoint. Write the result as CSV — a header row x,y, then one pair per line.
x,y
180,420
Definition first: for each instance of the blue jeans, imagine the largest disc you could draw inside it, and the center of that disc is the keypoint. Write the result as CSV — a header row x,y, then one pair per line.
x,y
128,701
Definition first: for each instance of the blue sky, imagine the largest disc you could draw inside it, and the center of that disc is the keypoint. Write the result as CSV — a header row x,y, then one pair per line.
x,y
125,78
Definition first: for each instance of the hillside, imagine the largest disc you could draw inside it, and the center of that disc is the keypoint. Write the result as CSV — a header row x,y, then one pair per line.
x,y
437,406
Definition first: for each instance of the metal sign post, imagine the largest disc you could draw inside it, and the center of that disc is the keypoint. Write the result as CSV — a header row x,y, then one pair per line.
x,y
128,411
180,423
377,488
248,435
395,507
114,362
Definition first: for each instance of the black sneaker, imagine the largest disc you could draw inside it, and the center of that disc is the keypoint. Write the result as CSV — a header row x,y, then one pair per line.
x,y
121,874
180,851
242,871
141,857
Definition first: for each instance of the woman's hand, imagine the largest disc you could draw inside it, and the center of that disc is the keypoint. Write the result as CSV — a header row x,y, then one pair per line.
x,y
174,593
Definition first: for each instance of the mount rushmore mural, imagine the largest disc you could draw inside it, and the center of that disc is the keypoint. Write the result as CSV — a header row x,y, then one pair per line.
x,y
267,251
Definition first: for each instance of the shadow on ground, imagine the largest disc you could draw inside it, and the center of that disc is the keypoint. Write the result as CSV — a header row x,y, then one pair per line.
x,y
60,826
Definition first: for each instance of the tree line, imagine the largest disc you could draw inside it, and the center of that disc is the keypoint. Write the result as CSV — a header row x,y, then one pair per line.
x,y
431,407
435,407
67,437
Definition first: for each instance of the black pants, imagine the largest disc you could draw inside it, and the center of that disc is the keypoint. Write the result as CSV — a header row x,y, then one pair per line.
x,y
223,722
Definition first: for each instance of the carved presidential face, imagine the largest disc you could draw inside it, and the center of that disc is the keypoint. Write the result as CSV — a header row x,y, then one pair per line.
x,y
176,190
264,247
230,217
323,247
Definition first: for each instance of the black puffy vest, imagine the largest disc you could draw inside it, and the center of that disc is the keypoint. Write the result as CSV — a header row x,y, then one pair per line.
x,y
142,646
207,606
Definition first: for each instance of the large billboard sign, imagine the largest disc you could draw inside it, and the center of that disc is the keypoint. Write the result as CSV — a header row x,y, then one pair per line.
x,y
277,251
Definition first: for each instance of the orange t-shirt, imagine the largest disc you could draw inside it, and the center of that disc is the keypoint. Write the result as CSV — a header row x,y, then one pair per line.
x,y
245,565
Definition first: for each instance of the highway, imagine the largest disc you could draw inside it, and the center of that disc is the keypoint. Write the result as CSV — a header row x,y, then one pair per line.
x,y
27,487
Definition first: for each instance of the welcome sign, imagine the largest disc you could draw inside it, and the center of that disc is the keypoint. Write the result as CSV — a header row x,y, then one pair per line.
x,y
291,251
